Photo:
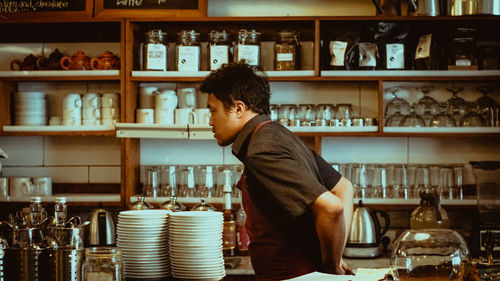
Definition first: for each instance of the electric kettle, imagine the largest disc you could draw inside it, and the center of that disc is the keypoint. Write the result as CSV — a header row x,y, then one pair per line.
x,y
101,229
365,235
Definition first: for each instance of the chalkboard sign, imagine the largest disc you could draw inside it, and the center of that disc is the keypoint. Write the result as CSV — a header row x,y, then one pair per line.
x,y
30,6
150,8
151,4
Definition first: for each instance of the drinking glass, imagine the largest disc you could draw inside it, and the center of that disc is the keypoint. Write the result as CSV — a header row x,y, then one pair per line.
x,y
426,106
359,180
288,115
457,106
187,187
396,104
413,119
306,115
237,171
151,184
443,119
274,112
434,177
345,113
487,105
421,180
168,182
458,171
473,118
411,180
445,190
204,181
324,113
399,187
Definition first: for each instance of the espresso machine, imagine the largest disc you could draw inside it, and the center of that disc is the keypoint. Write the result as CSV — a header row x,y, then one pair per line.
x,y
487,234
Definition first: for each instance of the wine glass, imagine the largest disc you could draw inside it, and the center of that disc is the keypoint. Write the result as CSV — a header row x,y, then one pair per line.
x,y
473,118
394,120
457,106
443,119
413,119
486,105
427,106
396,104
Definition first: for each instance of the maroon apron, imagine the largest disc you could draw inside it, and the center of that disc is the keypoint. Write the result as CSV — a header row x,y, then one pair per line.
x,y
273,258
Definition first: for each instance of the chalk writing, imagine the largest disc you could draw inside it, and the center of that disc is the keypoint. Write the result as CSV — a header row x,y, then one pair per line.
x,y
18,6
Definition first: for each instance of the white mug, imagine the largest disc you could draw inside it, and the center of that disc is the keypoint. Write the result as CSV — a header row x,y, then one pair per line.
x,y
91,122
145,115
187,97
91,100
165,117
4,187
110,100
20,186
110,112
91,113
203,115
166,99
72,101
147,97
72,114
72,122
184,116
109,121
42,186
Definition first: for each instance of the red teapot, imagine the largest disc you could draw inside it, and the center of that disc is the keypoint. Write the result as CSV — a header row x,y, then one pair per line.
x,y
52,63
105,61
29,63
79,61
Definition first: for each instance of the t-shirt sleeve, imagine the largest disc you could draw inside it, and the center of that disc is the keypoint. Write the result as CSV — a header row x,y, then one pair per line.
x,y
291,184
329,176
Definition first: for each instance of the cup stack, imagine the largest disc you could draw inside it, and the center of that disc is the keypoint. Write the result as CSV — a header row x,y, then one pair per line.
x,y
110,109
30,109
91,109
165,104
72,110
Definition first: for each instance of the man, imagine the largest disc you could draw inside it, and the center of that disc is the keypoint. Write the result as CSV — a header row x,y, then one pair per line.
x,y
298,208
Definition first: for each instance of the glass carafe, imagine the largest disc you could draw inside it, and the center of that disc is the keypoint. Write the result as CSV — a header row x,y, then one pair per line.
x,y
396,104
430,254
487,105
472,118
429,214
413,119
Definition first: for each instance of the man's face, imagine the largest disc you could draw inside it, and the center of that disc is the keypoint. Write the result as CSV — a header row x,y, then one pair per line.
x,y
224,122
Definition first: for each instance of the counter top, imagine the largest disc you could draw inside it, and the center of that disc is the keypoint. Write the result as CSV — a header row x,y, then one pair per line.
x,y
245,266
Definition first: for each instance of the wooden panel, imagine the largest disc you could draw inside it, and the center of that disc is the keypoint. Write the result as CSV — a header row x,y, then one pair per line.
x,y
5,103
130,9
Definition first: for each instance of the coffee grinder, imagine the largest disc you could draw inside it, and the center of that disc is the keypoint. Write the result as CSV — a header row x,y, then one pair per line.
x,y
487,174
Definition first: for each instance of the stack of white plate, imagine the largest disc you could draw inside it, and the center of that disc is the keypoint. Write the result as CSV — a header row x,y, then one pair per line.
x,y
30,109
196,245
142,235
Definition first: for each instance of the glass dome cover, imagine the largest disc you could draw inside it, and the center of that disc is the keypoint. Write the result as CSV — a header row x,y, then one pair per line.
x,y
430,254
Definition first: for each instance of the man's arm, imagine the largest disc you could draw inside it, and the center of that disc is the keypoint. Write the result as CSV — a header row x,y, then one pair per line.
x,y
333,213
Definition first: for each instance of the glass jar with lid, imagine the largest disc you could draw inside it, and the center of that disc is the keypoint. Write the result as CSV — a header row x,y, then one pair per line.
x,y
102,264
218,49
248,47
155,50
287,50
188,51
429,214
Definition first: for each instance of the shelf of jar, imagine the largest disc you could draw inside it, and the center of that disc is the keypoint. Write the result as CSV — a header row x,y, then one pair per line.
x,y
414,201
61,74
70,197
331,129
203,74
412,74
454,130
184,200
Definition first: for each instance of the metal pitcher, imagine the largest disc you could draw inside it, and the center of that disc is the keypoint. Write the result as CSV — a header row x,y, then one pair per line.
x,y
427,8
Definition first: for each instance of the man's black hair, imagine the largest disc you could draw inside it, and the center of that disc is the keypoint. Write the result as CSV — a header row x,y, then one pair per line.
x,y
239,81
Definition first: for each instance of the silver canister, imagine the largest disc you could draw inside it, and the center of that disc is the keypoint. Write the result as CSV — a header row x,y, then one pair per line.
x,y
26,264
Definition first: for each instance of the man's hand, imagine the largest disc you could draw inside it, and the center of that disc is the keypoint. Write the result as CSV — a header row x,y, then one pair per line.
x,y
346,268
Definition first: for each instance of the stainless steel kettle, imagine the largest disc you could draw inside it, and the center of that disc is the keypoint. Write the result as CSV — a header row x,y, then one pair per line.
x,y
426,8
365,235
101,229
393,7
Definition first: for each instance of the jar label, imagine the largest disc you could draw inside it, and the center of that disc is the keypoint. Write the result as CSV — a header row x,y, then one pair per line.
x,y
337,51
156,57
284,57
248,53
463,62
188,58
219,55
395,56
424,47
367,54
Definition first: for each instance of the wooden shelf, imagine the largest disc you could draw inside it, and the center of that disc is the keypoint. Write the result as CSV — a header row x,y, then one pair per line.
x,y
60,75
58,130
71,198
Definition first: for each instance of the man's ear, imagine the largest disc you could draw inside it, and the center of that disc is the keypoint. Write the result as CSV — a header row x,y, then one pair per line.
x,y
240,107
